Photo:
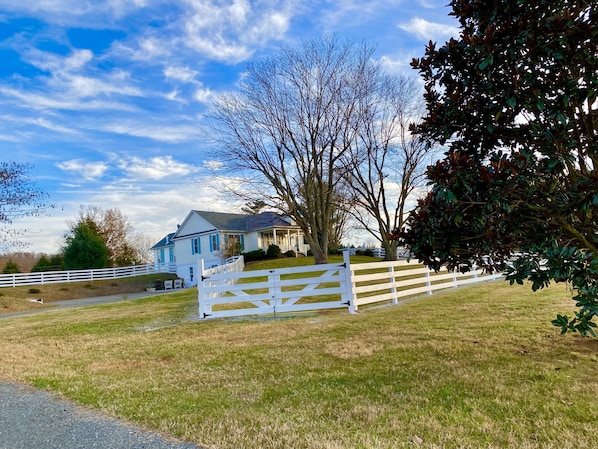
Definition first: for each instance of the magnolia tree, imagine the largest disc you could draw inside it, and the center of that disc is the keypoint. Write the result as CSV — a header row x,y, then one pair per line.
x,y
514,101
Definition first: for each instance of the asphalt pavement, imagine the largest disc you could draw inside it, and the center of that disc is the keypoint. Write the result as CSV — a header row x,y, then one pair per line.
x,y
35,419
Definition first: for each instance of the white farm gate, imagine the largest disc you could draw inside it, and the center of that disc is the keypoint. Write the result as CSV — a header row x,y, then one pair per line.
x,y
318,287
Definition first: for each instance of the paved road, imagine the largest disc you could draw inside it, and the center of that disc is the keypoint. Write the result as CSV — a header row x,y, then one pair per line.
x,y
32,419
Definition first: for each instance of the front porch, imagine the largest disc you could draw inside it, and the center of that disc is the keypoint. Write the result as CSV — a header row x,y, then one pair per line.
x,y
285,239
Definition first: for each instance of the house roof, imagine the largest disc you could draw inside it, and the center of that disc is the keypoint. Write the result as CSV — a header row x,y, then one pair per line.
x,y
244,223
224,221
166,241
266,220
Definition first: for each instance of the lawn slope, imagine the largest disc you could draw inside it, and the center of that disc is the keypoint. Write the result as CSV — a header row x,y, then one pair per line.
x,y
472,367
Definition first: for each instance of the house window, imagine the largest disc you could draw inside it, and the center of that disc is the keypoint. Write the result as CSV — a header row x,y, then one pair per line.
x,y
267,239
191,274
214,242
161,256
235,242
195,246
171,255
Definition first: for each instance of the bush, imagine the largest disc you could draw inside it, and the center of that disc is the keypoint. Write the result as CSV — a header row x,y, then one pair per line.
x,y
252,256
273,252
11,268
368,252
290,253
359,252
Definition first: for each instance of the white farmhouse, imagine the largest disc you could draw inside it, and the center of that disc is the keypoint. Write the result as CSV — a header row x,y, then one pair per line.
x,y
206,235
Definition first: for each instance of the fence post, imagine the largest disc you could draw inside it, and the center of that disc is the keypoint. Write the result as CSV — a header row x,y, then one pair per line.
x,y
428,283
274,290
205,309
393,288
349,295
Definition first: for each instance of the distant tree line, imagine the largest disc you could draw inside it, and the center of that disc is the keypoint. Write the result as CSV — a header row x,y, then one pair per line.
x,y
96,239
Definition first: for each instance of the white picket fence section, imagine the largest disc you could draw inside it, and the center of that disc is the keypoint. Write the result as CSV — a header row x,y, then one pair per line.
x,y
235,264
55,277
321,287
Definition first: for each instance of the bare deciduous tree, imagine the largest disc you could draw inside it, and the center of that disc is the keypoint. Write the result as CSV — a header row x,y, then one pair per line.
x,y
287,130
19,197
386,163
124,246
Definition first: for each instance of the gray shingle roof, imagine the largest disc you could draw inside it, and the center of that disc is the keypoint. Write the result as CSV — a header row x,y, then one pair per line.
x,y
242,222
224,221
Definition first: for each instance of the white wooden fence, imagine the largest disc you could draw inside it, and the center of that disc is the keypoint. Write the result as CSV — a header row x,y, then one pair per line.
x,y
321,287
234,264
54,277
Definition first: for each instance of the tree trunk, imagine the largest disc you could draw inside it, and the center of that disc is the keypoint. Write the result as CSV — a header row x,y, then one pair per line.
x,y
390,248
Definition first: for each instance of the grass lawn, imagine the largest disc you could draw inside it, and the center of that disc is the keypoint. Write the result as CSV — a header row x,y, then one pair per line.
x,y
474,367
15,299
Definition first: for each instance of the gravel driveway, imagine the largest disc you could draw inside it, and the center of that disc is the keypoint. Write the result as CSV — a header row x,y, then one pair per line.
x,y
32,419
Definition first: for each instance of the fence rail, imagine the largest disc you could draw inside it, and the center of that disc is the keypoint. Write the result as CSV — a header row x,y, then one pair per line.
x,y
228,294
272,291
55,277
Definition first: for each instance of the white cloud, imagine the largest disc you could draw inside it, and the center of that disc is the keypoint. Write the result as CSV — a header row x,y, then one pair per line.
x,y
425,30
204,95
173,95
69,76
184,74
153,212
232,32
83,87
72,82
87,170
213,165
187,75
155,168
39,101
13,121
157,132
70,12
44,123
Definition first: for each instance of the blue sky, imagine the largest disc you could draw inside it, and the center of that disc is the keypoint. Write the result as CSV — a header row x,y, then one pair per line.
x,y
105,97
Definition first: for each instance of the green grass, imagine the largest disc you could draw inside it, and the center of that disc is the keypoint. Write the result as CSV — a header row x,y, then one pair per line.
x,y
14,299
474,367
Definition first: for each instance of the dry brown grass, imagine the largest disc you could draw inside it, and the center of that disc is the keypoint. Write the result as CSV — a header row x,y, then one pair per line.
x,y
21,298
467,368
